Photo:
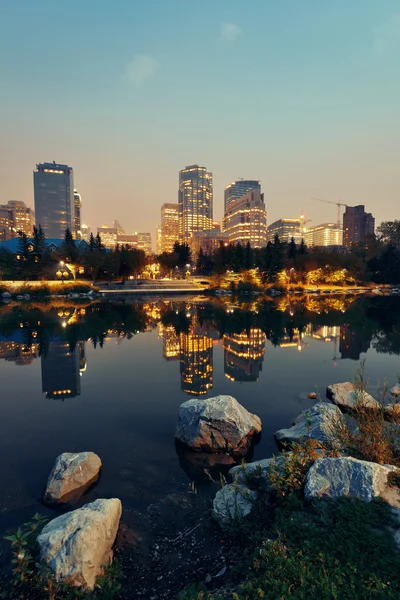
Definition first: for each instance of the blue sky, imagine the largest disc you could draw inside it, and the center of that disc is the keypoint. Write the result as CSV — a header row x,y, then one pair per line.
x,y
304,95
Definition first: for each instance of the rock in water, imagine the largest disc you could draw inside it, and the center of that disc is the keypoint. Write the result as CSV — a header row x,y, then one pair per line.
x,y
77,545
346,476
318,423
347,396
257,471
217,424
71,476
232,503
395,391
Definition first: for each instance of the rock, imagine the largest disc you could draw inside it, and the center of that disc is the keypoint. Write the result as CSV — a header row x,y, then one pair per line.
x,y
71,476
312,396
392,410
20,297
317,423
27,297
347,396
6,295
346,476
217,424
395,391
77,545
256,471
233,503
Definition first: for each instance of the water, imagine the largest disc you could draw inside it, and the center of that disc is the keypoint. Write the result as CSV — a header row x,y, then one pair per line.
x,y
110,378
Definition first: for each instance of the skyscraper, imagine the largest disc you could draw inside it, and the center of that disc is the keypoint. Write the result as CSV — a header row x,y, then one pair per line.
x,y
239,188
169,227
23,216
246,220
195,199
357,224
54,198
326,234
144,242
60,371
286,229
244,355
77,216
158,239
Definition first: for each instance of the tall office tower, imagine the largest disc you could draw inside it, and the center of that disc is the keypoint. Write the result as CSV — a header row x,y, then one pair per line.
x,y
353,342
158,240
60,371
144,242
357,224
77,233
169,227
239,188
326,234
170,340
85,232
244,355
7,230
195,200
54,198
286,229
246,220
23,216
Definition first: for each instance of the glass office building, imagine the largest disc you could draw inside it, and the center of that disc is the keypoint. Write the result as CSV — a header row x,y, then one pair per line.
x,y
195,202
239,188
54,198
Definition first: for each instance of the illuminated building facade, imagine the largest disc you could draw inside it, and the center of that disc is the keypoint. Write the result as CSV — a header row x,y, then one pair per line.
x,y
85,232
22,217
286,229
158,240
357,224
77,216
169,226
246,220
244,355
108,236
239,188
54,198
195,202
326,234
208,241
7,230
196,363
117,225
144,242
61,371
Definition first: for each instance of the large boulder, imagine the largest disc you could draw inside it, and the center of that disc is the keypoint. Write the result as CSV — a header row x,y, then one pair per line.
x,y
71,476
6,295
233,503
77,545
254,474
347,476
318,423
217,424
348,397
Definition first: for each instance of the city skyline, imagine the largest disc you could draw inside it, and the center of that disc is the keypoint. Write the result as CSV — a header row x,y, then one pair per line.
x,y
315,114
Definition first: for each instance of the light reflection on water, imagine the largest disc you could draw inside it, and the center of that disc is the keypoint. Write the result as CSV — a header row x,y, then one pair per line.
x,y
110,378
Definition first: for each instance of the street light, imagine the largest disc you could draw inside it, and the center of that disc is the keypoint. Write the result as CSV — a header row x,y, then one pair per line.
x,y
62,270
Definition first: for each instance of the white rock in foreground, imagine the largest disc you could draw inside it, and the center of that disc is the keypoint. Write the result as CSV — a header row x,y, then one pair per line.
x,y
217,424
347,396
346,476
395,391
233,503
71,476
318,423
77,545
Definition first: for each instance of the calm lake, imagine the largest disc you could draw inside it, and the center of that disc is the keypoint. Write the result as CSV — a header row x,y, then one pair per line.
x,y
109,377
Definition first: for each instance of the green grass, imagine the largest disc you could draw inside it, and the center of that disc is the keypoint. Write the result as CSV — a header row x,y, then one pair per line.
x,y
328,550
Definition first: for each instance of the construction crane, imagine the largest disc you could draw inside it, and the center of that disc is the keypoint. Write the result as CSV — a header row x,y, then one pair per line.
x,y
338,204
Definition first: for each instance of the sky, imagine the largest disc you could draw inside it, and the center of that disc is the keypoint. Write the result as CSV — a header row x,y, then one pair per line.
x,y
304,96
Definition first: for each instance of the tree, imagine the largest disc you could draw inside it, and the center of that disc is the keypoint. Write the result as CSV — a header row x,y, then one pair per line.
x,y
39,241
68,239
292,249
111,264
248,257
184,253
303,248
68,249
93,260
389,233
6,264
23,247
98,241
92,242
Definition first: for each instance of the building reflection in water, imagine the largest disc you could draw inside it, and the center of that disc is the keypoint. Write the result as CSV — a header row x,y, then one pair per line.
x,y
20,354
61,368
244,355
170,341
196,363
352,343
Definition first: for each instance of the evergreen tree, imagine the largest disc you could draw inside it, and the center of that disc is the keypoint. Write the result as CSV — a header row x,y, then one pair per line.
x,y
39,241
92,242
292,249
248,257
68,239
183,252
303,247
98,242
23,246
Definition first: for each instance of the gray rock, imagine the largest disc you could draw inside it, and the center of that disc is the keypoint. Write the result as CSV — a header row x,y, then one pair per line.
x,y
217,424
6,295
317,423
347,396
254,471
346,476
71,476
77,545
395,391
233,503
